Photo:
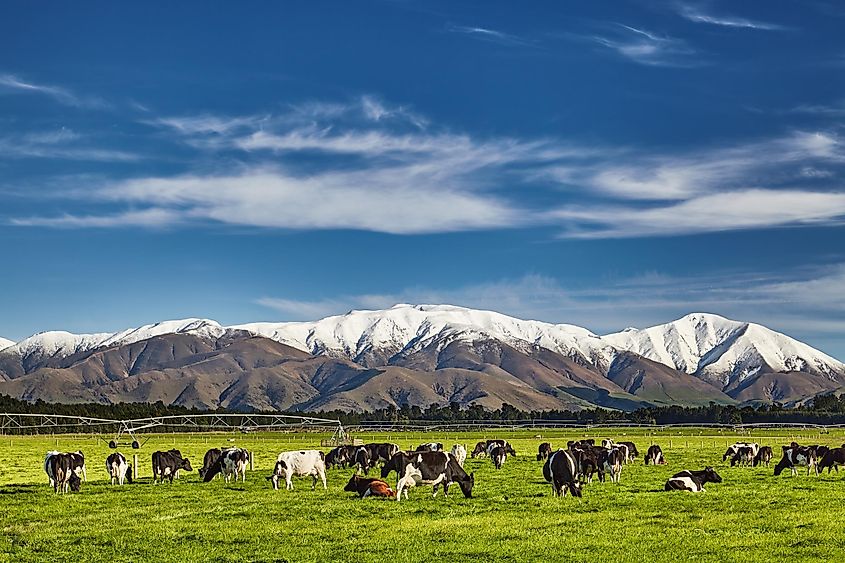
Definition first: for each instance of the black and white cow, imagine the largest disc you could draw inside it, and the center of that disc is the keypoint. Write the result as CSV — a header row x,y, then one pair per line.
x,y
460,453
211,457
633,453
561,471
588,461
363,461
431,468
654,455
166,464
832,459
795,455
744,456
484,448
692,481
341,456
764,455
612,463
381,451
734,448
118,469
819,450
231,463
544,451
365,487
61,469
498,455
430,447
299,463
77,461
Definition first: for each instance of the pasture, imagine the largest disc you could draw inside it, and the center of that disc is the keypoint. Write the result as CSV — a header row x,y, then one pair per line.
x,y
750,516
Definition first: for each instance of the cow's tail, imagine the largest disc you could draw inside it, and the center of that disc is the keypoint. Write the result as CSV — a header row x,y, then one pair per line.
x,y
322,456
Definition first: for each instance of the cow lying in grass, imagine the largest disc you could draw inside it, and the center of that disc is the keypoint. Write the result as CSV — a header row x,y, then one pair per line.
x,y
369,487
692,481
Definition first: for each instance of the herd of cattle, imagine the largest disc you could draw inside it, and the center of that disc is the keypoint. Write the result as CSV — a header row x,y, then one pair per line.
x,y
566,469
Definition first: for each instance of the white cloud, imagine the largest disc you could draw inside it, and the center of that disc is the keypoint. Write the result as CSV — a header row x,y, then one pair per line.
x,y
695,14
12,83
647,48
153,217
491,35
62,144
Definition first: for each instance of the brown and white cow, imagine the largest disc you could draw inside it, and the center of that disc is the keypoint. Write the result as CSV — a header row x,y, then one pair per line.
x,y
368,486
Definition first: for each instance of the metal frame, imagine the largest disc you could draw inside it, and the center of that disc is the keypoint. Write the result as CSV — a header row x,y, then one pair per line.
x,y
195,422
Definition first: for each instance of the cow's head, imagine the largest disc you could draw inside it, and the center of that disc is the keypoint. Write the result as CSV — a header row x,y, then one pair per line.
x,y
575,488
74,481
186,465
129,473
466,484
710,475
352,485
479,449
509,449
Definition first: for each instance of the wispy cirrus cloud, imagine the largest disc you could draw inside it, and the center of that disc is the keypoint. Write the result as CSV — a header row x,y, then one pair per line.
x,y
59,144
9,83
645,47
697,14
491,35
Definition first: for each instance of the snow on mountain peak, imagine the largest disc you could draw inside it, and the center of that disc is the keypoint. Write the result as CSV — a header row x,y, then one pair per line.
x,y
5,343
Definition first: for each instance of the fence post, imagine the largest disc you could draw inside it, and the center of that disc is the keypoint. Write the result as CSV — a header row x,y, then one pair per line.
x,y
251,456
134,467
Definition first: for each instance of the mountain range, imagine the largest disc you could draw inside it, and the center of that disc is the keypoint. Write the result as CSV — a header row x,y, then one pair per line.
x,y
419,355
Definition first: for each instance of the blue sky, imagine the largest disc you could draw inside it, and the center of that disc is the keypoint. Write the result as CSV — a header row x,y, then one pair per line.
x,y
606,165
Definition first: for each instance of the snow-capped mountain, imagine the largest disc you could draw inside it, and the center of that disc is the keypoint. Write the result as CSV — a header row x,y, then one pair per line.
x,y
723,351
5,343
699,357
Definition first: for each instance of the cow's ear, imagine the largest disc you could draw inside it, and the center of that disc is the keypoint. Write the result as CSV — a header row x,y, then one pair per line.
x,y
472,477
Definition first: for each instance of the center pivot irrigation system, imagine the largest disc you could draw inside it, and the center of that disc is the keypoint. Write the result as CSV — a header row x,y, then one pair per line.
x,y
129,429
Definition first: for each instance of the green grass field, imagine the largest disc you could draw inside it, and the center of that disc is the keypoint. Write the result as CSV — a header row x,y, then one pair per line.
x,y
752,515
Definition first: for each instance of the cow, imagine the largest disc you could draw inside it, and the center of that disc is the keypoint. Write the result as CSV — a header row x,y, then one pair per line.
x,y
692,481
819,450
380,451
832,459
633,452
341,456
561,471
732,449
231,463
460,453
77,460
61,469
118,469
607,443
588,460
498,455
483,448
654,455
300,463
623,449
744,456
363,461
764,455
612,463
208,461
431,468
366,487
166,464
794,455
544,451
430,447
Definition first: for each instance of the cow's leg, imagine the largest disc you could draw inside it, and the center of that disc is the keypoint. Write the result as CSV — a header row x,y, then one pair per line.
x,y
323,479
367,492
313,481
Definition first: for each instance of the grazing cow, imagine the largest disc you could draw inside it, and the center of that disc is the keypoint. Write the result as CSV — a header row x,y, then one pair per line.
x,y
166,464
77,463
633,453
732,449
208,461
366,487
819,450
431,468
794,455
460,453
118,469
764,455
231,463
744,456
544,451
492,444
380,452
430,447
300,463
363,461
498,455
692,481
561,471
655,455
588,460
612,464
61,470
342,456
479,450
833,459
